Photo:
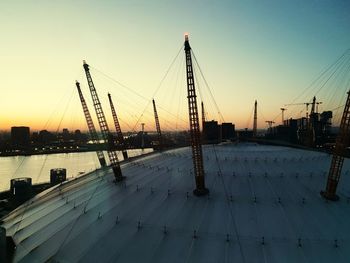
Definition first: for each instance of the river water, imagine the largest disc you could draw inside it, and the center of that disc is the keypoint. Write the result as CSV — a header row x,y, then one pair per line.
x,y
38,166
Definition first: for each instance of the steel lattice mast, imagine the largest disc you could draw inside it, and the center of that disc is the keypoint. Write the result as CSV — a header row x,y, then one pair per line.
x,y
203,116
255,123
91,126
338,154
197,154
159,132
120,136
107,136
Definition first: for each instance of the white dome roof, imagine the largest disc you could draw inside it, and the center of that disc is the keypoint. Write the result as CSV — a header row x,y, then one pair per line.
x,y
264,206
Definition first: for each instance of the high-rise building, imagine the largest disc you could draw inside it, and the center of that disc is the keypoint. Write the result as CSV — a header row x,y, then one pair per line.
x,y
227,131
66,135
46,137
211,131
20,137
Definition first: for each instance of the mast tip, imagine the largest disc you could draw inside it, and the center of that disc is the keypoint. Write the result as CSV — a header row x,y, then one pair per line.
x,y
186,36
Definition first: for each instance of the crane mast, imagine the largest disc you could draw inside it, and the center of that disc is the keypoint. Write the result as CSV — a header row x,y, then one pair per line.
x,y
197,155
303,103
313,105
203,116
342,143
120,136
91,126
107,136
311,124
255,124
283,110
159,132
269,123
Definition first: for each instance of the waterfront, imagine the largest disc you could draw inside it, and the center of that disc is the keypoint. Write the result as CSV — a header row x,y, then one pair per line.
x,y
38,166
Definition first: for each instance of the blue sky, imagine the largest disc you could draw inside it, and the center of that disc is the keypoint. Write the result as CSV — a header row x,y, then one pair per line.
x,y
264,50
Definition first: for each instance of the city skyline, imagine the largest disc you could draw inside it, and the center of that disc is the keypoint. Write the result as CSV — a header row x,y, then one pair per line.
x,y
270,51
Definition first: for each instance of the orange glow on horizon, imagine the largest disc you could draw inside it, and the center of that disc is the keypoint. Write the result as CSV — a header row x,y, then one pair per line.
x,y
37,124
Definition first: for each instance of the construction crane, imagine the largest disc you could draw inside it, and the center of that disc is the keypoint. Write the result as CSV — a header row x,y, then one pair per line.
x,y
318,103
120,136
255,123
91,126
107,136
310,138
307,106
341,145
283,110
269,129
159,132
269,123
313,104
303,103
307,130
197,155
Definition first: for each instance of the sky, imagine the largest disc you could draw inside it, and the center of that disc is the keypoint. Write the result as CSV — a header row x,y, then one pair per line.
x,y
268,51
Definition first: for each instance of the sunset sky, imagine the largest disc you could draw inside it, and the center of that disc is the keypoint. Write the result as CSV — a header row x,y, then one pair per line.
x,y
265,50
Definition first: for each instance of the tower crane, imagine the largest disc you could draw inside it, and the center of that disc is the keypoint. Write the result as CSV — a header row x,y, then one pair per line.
x,y
302,103
307,106
120,136
307,132
313,104
310,139
269,129
107,136
318,103
283,110
269,123
91,126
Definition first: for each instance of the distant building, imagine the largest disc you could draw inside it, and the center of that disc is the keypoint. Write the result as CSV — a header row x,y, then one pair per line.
x,y
211,132
284,133
65,135
79,137
245,134
46,137
215,133
20,137
227,131
312,131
